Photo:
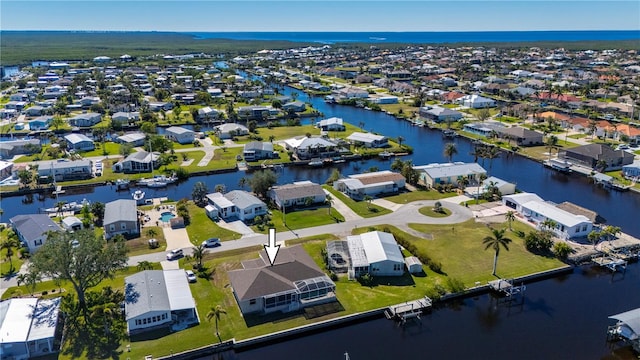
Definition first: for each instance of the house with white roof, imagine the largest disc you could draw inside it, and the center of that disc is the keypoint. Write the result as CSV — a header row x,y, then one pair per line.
x,y
85,120
358,186
567,225
29,327
32,229
297,194
227,131
311,147
125,117
179,134
67,170
448,173
368,140
207,114
237,204
439,114
134,139
331,124
515,201
376,253
258,150
141,161
156,299
79,142
121,217
476,101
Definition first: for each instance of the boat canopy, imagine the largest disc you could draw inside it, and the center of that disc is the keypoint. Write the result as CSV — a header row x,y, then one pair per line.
x,y
631,319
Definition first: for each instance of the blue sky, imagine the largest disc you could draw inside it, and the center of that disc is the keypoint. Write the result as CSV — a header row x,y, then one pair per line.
x,y
239,15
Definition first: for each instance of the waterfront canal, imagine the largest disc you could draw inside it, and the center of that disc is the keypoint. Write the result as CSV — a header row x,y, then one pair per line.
x,y
620,209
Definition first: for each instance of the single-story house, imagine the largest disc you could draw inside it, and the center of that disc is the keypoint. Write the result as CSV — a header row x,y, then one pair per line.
x,y
258,150
237,203
179,134
292,283
134,139
385,100
439,114
85,120
227,131
567,226
515,201
352,92
311,147
482,129
522,136
155,299
376,253
17,147
67,170
121,217
141,161
32,229
449,173
358,186
79,142
476,101
331,124
253,112
368,140
591,155
160,105
297,194
35,111
40,123
30,328
207,114
504,187
125,117
295,106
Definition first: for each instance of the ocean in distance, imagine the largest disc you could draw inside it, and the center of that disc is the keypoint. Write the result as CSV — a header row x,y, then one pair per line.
x,y
425,37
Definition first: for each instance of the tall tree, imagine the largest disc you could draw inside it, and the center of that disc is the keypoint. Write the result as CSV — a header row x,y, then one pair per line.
x,y
495,242
199,193
329,200
84,265
510,216
262,181
552,143
97,209
450,150
214,313
9,245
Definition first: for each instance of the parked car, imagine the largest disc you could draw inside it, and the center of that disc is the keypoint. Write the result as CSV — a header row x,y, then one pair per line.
x,y
212,242
191,276
174,254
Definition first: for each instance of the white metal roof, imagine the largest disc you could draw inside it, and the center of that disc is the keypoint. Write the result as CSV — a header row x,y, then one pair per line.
x,y
630,318
373,247
364,137
15,319
558,215
522,198
45,319
178,290
436,171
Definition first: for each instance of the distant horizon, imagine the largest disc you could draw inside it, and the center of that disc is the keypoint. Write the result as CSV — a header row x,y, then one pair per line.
x,y
318,31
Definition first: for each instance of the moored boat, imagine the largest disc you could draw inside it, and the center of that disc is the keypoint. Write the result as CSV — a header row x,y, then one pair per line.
x,y
122,184
138,196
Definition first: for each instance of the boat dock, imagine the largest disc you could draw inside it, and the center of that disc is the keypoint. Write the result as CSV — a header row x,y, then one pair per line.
x,y
408,310
507,288
58,190
611,262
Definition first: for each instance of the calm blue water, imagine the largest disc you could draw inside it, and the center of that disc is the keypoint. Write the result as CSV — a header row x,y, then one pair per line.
x,y
425,37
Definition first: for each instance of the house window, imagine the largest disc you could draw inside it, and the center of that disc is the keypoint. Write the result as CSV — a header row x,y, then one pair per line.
x,y
584,228
164,316
144,321
112,227
252,302
37,242
123,226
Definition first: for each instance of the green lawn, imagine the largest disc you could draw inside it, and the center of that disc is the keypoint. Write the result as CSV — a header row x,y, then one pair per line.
x,y
428,211
410,196
281,133
140,245
302,218
110,147
459,248
361,208
202,228
5,263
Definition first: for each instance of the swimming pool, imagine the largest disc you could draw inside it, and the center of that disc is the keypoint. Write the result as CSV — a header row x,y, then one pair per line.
x,y
166,216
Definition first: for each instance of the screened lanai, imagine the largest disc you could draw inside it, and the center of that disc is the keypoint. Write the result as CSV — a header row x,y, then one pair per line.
x,y
338,256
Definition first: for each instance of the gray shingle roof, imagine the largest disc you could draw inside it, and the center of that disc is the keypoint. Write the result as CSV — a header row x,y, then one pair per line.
x,y
259,145
120,210
242,199
32,226
144,292
297,191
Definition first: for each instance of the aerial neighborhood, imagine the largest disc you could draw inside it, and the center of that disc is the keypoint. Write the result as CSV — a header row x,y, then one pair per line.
x,y
354,156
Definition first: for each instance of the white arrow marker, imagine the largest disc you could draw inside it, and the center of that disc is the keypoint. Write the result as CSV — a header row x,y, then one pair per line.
x,y
271,248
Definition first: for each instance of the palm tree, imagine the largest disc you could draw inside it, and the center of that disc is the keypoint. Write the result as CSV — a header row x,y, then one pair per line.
x,y
602,165
481,179
552,142
214,313
495,242
368,199
400,141
549,224
59,206
152,232
450,150
145,265
9,245
271,138
511,217
329,200
492,153
462,183
198,254
243,182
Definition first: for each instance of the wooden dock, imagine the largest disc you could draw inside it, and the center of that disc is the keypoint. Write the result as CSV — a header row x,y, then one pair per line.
x,y
506,287
58,190
408,310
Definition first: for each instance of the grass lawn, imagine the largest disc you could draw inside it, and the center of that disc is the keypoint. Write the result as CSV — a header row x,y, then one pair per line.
x,y
5,263
110,147
578,136
407,109
361,208
410,196
280,133
460,250
202,228
140,245
302,218
428,211
542,152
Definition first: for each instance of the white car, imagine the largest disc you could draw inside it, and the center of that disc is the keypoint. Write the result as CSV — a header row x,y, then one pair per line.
x,y
174,254
212,242
190,276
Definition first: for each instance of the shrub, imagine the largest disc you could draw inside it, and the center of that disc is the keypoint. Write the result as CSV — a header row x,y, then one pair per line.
x,y
366,280
562,250
435,266
44,293
455,285
538,241
333,276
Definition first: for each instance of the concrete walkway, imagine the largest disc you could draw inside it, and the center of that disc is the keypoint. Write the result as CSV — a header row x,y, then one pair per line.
x,y
209,151
176,238
457,199
236,226
387,204
342,208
